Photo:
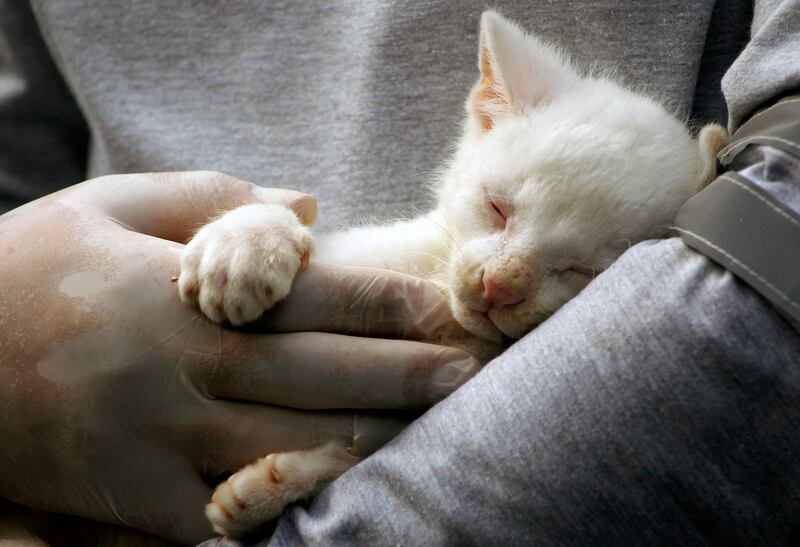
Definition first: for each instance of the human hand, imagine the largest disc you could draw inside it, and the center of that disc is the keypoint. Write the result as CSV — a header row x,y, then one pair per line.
x,y
120,403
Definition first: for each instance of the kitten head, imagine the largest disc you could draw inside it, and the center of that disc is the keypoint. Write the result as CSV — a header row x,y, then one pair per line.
x,y
556,174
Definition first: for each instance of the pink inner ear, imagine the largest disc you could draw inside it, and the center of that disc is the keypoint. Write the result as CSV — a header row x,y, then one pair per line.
x,y
488,98
518,72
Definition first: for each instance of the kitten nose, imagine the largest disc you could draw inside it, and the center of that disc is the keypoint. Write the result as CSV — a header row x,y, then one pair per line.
x,y
498,295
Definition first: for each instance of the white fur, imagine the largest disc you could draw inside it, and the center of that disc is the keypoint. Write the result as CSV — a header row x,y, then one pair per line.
x,y
580,167
241,264
260,491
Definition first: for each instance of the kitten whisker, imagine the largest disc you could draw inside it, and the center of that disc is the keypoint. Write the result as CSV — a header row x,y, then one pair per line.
x,y
449,236
431,255
627,241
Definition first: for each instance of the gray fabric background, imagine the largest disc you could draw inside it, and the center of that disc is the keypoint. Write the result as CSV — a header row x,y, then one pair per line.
x,y
768,68
354,102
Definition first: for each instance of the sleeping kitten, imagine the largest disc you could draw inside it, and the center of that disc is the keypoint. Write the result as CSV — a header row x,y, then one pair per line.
x,y
556,174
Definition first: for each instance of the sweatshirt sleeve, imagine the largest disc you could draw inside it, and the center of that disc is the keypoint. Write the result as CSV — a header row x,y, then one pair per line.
x,y
43,136
748,219
769,66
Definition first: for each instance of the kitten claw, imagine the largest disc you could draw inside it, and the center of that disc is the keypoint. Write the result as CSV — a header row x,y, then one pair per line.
x,y
304,260
260,492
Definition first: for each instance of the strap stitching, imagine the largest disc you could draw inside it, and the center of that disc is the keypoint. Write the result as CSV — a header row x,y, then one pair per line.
x,y
775,208
738,145
770,109
744,266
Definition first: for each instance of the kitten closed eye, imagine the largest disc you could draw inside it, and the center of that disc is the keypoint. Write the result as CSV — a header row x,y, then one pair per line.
x,y
585,271
577,276
499,211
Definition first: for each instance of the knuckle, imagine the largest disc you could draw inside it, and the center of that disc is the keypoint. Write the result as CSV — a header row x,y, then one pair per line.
x,y
208,174
218,178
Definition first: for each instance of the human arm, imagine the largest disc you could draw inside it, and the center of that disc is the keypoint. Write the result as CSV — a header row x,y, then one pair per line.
x,y
658,407
660,413
120,403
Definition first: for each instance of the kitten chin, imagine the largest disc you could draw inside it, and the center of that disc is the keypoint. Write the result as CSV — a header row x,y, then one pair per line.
x,y
455,335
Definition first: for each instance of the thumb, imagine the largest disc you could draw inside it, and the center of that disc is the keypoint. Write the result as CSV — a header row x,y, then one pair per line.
x,y
303,205
174,206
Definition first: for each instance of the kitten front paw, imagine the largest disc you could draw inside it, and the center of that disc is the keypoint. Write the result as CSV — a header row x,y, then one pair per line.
x,y
261,491
240,265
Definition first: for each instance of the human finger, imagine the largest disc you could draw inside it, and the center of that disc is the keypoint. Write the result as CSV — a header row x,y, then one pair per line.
x,y
174,205
314,370
362,301
241,432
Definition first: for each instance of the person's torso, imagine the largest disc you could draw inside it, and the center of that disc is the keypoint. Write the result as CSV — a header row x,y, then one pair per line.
x,y
353,102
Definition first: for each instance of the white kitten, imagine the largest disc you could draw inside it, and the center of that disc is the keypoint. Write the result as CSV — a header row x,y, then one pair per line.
x,y
555,175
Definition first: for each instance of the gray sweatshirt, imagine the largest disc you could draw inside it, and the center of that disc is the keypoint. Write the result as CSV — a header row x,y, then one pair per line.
x,y
354,102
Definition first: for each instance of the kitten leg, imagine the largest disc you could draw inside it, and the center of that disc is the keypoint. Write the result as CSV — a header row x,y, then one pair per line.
x,y
259,492
240,265
419,247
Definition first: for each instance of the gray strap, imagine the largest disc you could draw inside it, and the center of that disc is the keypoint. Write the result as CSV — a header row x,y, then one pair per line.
x,y
742,228
777,126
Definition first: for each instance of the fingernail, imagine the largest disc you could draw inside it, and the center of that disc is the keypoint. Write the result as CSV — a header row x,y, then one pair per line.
x,y
450,376
303,205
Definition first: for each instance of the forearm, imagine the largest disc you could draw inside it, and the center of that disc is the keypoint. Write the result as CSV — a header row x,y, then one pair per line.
x,y
767,68
650,413
748,218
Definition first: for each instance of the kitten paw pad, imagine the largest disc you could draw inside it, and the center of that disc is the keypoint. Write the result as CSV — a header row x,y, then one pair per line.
x,y
240,265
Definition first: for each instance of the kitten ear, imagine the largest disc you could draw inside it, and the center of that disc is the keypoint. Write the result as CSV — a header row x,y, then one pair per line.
x,y
712,138
517,71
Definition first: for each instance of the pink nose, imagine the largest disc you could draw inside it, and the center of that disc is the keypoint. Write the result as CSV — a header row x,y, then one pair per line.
x,y
498,295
